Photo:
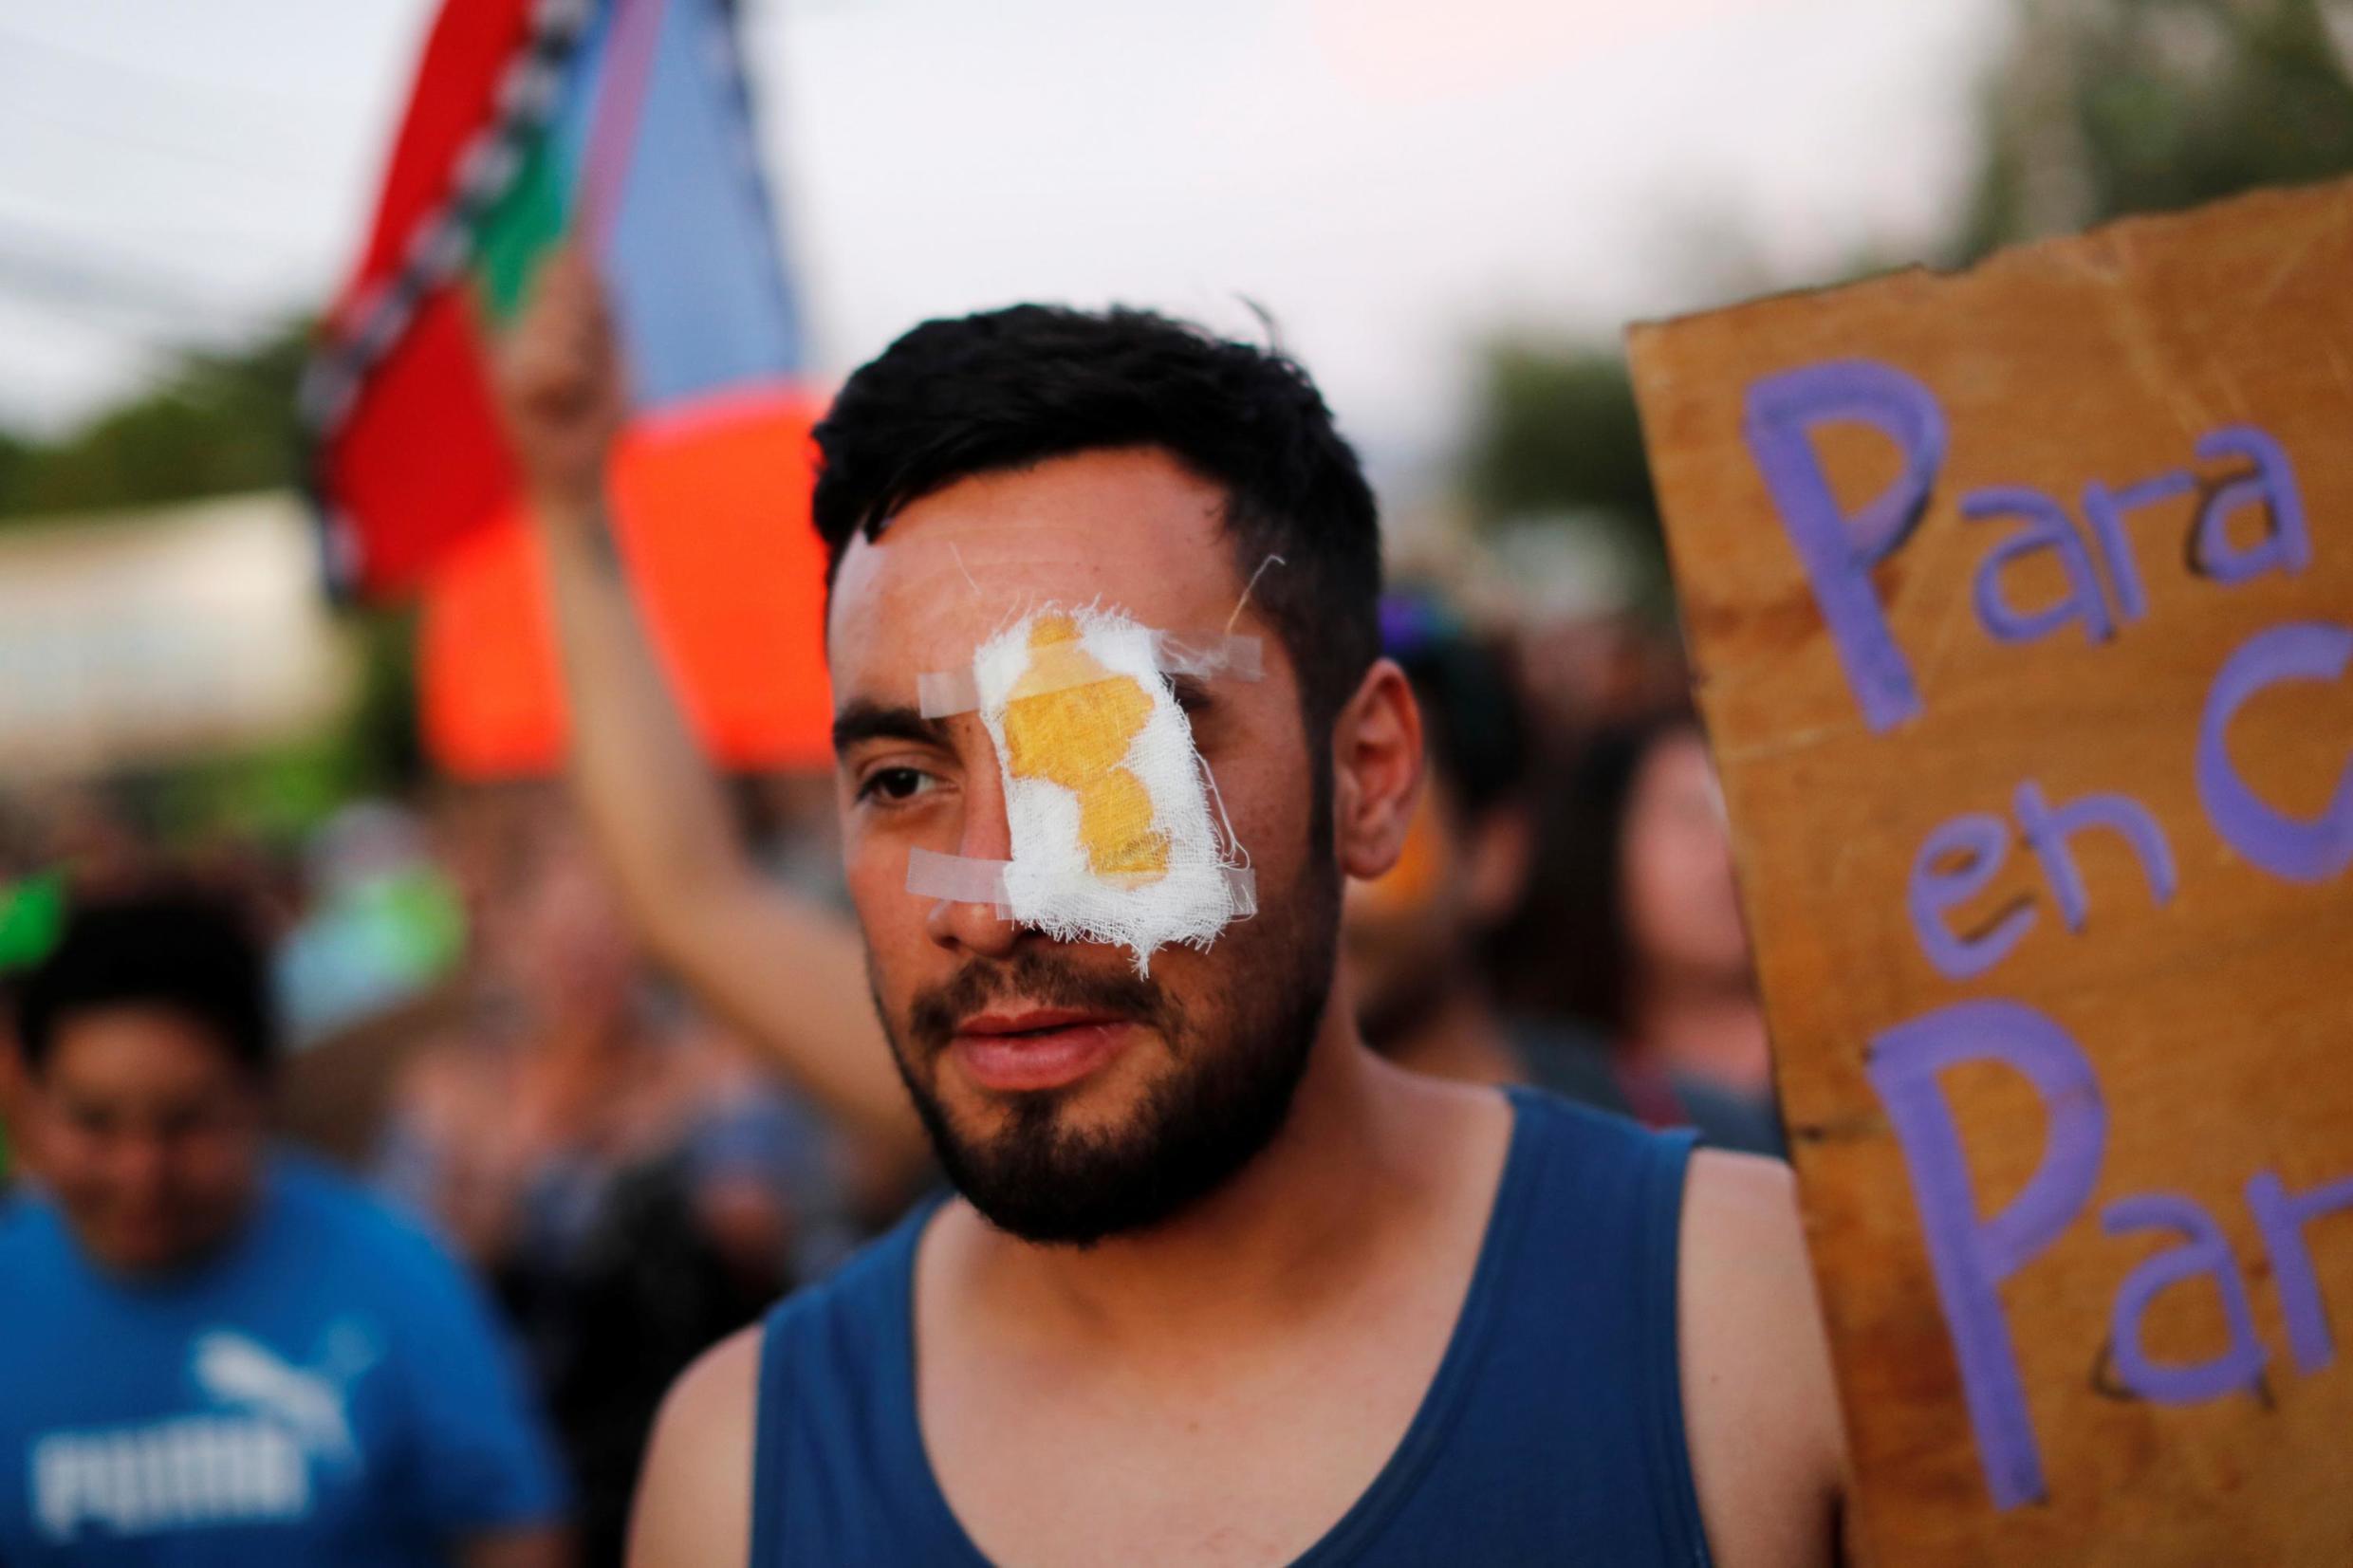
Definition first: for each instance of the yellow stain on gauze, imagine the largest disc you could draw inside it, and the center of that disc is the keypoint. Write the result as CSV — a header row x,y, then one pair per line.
x,y
1074,734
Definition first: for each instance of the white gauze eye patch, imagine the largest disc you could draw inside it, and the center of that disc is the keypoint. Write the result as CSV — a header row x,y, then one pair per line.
x,y
1114,836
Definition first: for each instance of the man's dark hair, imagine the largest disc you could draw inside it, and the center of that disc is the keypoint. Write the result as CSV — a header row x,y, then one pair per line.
x,y
1009,388
1471,713
186,952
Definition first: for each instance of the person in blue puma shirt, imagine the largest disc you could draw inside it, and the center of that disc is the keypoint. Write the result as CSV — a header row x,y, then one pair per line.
x,y
215,1352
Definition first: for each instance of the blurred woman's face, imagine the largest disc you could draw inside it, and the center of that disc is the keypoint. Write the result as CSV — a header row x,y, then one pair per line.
x,y
572,947
1676,864
547,926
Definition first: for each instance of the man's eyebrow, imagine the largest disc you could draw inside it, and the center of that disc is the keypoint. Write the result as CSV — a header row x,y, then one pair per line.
x,y
864,719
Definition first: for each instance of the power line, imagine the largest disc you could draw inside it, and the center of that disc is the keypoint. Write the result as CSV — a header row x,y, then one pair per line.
x,y
121,136
193,135
14,42
141,301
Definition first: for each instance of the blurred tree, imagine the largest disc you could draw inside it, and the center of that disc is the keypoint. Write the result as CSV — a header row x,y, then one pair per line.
x,y
380,735
218,424
14,452
2098,108
1555,440
276,795
1519,464
215,424
2105,107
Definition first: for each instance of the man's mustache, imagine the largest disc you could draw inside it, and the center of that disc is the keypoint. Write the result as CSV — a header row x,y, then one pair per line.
x,y
1035,977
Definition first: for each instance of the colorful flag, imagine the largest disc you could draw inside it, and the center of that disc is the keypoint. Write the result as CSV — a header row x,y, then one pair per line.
x,y
625,122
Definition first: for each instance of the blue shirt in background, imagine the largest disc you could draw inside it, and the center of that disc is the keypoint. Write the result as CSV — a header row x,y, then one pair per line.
x,y
329,1389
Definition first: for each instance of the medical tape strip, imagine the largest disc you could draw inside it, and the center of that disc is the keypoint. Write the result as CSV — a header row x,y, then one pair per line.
x,y
967,879
1202,655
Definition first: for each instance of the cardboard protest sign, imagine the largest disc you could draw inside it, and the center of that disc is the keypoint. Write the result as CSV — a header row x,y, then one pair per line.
x,y
2020,606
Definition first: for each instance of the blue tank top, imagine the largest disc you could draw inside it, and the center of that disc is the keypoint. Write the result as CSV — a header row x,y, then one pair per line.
x,y
1553,1431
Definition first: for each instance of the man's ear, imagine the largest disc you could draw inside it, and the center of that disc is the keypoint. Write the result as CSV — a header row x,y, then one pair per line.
x,y
1376,770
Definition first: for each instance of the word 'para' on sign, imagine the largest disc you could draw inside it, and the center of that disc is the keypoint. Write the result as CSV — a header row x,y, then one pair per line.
x,y
2104,584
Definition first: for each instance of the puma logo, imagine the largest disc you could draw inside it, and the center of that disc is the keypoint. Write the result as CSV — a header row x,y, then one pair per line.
x,y
234,1370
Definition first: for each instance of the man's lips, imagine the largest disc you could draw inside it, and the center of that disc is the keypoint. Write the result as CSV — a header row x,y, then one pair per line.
x,y
1031,1020
1037,1047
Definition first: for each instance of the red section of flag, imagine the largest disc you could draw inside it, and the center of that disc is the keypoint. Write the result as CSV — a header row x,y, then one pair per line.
x,y
712,512
424,445
407,452
457,90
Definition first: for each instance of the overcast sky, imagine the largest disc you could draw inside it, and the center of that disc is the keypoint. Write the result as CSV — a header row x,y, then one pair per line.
x,y
1388,177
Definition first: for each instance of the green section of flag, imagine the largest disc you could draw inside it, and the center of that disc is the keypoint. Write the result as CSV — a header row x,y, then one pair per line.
x,y
32,913
522,227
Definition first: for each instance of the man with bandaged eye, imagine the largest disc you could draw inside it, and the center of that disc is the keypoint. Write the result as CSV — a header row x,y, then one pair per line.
x,y
1217,1285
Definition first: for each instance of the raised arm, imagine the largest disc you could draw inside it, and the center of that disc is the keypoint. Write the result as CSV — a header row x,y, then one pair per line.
x,y
786,970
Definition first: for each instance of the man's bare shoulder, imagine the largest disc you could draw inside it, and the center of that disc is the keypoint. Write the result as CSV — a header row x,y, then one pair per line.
x,y
1760,1407
693,1504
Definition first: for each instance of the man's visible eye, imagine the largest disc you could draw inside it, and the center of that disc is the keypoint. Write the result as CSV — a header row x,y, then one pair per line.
x,y
891,785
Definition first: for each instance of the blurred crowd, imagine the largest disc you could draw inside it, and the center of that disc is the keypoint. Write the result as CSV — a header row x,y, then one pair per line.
x,y
461,1024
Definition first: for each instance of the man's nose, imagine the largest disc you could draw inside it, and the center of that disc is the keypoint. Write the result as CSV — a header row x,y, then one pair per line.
x,y
987,835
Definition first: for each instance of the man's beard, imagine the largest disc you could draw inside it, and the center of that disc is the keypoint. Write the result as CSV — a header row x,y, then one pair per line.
x,y
1220,1104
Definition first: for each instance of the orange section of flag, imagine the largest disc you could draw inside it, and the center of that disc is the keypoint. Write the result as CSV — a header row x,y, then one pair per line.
x,y
712,510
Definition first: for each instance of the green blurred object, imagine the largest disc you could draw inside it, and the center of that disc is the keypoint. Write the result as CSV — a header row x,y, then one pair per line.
x,y
32,913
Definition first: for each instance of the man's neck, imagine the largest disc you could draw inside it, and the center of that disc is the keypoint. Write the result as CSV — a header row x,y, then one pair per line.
x,y
1367,1156
1462,1039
